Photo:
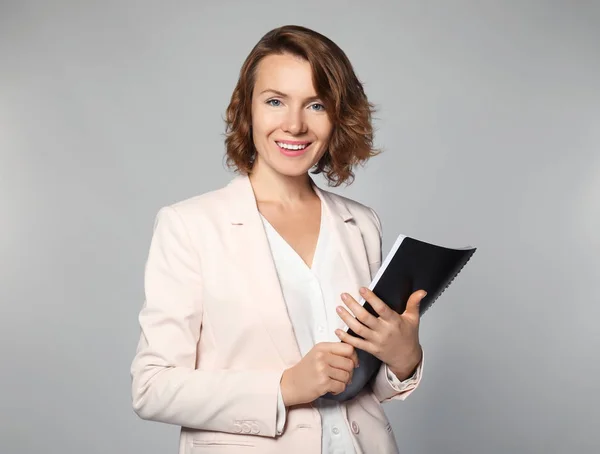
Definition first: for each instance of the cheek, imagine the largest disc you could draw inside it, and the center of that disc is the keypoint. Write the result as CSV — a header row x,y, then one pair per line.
x,y
322,129
263,123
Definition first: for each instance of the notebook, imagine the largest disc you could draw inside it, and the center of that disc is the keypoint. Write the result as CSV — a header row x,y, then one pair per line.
x,y
410,265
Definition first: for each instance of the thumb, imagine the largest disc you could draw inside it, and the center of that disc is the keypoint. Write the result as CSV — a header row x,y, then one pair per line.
x,y
414,302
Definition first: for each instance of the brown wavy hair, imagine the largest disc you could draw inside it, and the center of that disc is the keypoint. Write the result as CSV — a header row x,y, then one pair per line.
x,y
351,140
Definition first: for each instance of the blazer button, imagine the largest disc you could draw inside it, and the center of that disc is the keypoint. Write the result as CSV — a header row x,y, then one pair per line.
x,y
355,427
254,429
237,427
245,428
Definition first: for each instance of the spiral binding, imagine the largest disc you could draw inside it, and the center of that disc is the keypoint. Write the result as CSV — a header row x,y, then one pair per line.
x,y
449,282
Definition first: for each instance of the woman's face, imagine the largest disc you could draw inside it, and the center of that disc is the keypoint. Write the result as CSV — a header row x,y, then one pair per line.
x,y
290,126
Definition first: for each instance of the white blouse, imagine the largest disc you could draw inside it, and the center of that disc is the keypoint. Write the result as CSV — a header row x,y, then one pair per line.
x,y
311,299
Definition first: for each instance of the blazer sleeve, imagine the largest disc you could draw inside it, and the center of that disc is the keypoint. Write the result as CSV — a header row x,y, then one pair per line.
x,y
166,386
386,386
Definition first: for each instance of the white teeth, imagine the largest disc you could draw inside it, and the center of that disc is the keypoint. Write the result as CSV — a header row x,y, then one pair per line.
x,y
287,146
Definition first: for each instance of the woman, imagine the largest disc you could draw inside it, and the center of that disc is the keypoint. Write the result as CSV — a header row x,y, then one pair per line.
x,y
248,287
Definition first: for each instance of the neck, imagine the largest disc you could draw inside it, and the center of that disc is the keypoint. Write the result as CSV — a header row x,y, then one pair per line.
x,y
270,186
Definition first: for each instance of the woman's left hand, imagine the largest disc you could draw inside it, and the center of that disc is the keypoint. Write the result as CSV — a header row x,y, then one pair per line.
x,y
391,337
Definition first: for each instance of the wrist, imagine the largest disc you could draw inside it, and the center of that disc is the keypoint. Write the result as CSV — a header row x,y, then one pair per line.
x,y
408,367
287,391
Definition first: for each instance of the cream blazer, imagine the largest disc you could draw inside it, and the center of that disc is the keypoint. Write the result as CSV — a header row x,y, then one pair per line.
x,y
215,334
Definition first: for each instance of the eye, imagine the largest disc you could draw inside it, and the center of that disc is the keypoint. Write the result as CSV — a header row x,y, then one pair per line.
x,y
274,102
317,107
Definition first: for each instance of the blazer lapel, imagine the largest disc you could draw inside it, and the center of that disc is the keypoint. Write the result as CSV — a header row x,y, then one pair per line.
x,y
256,262
348,238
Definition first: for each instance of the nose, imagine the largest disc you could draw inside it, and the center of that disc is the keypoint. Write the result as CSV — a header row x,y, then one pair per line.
x,y
294,122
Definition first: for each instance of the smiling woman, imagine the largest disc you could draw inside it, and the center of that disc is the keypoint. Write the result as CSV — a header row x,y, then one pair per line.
x,y
310,83
245,284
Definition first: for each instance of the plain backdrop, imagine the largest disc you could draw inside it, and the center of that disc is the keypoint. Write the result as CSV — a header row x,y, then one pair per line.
x,y
489,117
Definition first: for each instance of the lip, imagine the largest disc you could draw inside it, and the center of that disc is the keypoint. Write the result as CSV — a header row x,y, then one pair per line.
x,y
293,153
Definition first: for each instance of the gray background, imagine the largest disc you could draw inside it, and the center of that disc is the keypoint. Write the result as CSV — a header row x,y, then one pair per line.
x,y
489,113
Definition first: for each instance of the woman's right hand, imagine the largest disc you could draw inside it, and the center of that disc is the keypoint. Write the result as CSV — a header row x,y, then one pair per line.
x,y
327,367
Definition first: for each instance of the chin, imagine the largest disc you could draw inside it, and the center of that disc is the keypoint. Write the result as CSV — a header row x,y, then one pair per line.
x,y
292,169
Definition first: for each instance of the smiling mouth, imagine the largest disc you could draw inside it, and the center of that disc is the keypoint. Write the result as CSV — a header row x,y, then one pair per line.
x,y
293,146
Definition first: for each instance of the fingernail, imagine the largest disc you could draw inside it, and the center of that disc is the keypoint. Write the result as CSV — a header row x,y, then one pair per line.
x,y
363,290
344,296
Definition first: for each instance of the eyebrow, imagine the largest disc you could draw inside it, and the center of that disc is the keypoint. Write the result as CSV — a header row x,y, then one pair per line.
x,y
283,95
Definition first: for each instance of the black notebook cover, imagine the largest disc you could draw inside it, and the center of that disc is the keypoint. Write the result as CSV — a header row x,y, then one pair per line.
x,y
410,265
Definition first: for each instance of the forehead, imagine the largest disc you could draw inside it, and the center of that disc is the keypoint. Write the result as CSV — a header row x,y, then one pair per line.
x,y
287,73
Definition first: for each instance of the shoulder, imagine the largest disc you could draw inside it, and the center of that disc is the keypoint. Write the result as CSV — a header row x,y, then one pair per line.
x,y
206,202
206,207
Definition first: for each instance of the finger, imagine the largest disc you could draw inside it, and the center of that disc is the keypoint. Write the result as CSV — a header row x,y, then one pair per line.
x,y
354,341
384,311
354,324
341,349
338,374
336,387
341,362
359,312
414,302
